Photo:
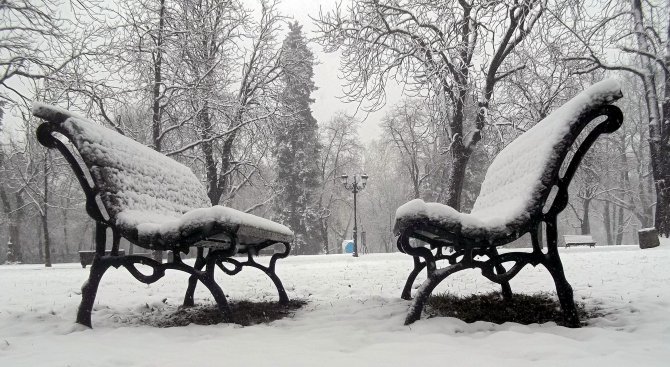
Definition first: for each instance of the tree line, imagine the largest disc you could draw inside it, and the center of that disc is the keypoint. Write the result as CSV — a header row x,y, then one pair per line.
x,y
227,90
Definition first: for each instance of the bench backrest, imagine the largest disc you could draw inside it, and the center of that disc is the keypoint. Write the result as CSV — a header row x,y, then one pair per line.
x,y
129,176
521,176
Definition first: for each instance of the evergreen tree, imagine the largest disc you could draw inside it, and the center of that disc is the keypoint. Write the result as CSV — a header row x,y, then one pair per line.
x,y
297,146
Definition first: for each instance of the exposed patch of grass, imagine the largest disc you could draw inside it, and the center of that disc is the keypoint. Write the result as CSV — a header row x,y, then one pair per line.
x,y
523,309
245,313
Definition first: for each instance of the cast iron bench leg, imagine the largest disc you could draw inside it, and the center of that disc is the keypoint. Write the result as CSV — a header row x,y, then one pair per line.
x,y
416,253
418,266
101,264
216,258
564,291
193,279
434,278
270,270
500,269
90,289
208,280
555,267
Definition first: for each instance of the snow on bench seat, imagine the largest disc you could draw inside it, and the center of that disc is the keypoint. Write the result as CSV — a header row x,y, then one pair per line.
x,y
518,181
201,224
155,201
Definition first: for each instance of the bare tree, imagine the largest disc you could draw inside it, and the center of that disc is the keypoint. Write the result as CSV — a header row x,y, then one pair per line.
x,y
383,195
632,164
431,46
35,179
416,138
226,99
340,154
11,198
646,43
34,44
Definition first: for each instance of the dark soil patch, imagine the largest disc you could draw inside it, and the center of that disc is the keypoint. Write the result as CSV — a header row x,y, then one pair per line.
x,y
523,309
245,313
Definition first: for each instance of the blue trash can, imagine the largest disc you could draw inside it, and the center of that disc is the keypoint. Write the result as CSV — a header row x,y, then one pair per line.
x,y
348,246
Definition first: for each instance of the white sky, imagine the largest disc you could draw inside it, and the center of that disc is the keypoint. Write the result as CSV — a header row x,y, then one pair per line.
x,y
327,71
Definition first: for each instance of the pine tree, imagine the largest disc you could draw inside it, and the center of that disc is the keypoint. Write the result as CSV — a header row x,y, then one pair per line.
x,y
297,145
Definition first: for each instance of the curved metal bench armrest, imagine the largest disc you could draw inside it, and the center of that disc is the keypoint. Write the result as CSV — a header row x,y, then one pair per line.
x,y
611,124
45,136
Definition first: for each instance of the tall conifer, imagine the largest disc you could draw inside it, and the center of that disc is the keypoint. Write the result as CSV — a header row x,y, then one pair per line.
x,y
297,145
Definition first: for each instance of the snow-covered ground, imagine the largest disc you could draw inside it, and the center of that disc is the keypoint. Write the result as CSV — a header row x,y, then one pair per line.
x,y
354,317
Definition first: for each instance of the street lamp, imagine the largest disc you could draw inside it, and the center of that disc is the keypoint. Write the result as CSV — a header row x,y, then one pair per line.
x,y
355,187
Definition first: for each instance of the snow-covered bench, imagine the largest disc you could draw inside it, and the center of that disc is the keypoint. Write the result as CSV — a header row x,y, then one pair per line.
x,y
578,240
158,204
524,187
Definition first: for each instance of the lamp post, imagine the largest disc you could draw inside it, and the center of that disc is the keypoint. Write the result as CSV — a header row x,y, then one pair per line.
x,y
355,187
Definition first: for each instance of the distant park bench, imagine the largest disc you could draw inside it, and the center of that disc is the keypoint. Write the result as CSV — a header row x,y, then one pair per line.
x,y
578,240
86,257
524,186
158,204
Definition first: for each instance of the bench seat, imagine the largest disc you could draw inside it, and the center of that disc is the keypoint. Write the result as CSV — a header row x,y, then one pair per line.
x,y
198,226
443,223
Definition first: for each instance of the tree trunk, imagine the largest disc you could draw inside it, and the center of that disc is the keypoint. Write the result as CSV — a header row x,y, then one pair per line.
x,y
455,182
417,189
211,171
625,197
226,157
13,219
649,192
14,253
607,222
619,227
156,109
323,234
93,236
660,158
45,213
586,225
645,189
459,158
47,242
40,244
65,226
662,221
16,229
659,120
